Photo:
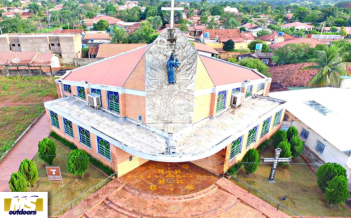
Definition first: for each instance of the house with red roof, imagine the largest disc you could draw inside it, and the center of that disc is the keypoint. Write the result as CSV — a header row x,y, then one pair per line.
x,y
299,26
196,30
275,37
310,41
27,63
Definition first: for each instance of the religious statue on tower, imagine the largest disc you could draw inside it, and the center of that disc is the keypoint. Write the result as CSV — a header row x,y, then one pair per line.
x,y
171,65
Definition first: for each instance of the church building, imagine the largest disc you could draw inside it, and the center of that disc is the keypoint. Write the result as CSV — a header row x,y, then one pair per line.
x,y
165,102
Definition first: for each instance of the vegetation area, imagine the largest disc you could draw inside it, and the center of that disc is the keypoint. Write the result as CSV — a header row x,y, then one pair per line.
x,y
297,183
20,103
60,195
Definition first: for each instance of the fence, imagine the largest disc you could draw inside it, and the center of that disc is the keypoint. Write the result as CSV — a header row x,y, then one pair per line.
x,y
82,197
264,197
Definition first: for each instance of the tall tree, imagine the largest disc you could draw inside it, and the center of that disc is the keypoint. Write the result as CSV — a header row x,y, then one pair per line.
x,y
156,23
118,35
212,24
34,8
231,23
330,66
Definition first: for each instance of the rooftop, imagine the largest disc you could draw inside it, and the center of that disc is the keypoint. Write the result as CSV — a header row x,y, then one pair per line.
x,y
295,24
325,110
271,37
195,142
109,50
205,48
312,42
25,57
226,34
96,36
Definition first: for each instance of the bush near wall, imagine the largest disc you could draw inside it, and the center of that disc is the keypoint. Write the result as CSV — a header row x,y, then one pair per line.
x,y
93,161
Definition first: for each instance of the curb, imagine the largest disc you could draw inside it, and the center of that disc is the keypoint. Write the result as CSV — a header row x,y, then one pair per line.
x,y
22,135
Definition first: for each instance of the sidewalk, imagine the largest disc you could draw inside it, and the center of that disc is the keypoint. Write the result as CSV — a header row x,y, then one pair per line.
x,y
26,148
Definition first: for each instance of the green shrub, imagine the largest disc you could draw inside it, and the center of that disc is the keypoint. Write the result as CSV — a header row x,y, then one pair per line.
x,y
278,137
235,169
264,145
327,172
252,160
78,162
292,131
29,170
296,146
47,150
286,152
93,160
228,45
18,182
337,190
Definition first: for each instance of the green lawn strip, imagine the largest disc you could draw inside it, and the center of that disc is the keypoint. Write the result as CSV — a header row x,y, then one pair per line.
x,y
61,195
26,89
13,122
298,183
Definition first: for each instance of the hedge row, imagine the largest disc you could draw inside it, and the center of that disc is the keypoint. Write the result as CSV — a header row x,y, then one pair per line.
x,y
92,160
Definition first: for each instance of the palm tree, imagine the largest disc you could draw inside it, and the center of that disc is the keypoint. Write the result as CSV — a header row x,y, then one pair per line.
x,y
212,24
330,66
156,23
118,35
34,8
231,23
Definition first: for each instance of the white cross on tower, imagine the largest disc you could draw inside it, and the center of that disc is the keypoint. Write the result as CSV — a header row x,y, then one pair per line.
x,y
172,9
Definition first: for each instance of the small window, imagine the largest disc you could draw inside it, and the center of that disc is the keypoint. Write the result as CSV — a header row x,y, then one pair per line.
x,y
13,45
104,148
236,148
18,45
260,86
54,119
68,127
251,137
81,92
236,90
84,136
277,118
67,88
304,134
265,127
113,101
320,147
58,44
52,44
130,158
248,91
265,61
221,100
140,118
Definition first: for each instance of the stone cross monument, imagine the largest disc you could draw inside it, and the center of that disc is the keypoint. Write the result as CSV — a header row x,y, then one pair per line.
x,y
275,162
172,9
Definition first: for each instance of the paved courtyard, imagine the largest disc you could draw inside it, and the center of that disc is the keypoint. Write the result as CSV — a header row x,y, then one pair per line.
x,y
169,178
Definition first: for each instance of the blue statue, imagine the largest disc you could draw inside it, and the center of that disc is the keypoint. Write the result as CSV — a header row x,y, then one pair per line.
x,y
171,64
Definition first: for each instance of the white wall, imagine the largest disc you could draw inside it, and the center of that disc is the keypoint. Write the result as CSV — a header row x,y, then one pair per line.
x,y
205,53
55,61
330,153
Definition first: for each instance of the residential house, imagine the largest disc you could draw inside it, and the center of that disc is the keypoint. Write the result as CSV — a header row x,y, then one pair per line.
x,y
27,63
311,42
275,37
322,117
265,57
216,37
299,26
205,50
196,30
228,9
95,38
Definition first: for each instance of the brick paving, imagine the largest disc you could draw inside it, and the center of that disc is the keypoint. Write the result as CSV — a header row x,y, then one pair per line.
x,y
27,147
129,197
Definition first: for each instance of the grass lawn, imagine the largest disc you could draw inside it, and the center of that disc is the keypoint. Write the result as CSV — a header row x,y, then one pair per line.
x,y
60,195
20,103
298,183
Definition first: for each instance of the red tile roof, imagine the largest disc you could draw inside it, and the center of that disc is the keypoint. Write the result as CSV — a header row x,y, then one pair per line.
x,y
272,36
109,50
288,25
249,25
42,59
226,34
25,57
112,71
222,72
80,31
97,36
289,16
204,48
93,50
312,42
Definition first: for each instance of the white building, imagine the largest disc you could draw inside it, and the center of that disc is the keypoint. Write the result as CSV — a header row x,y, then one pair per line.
x,y
322,117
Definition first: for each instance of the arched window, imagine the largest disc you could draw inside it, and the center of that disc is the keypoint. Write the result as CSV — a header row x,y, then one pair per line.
x,y
265,127
68,127
84,136
251,137
236,148
104,148
221,100
67,88
81,92
54,119
113,101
